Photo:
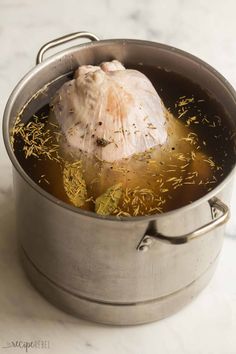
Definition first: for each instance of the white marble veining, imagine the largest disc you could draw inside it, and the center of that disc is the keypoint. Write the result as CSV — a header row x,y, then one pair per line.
x,y
204,28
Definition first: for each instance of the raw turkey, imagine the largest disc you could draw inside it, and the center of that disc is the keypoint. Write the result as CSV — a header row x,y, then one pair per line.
x,y
110,112
123,147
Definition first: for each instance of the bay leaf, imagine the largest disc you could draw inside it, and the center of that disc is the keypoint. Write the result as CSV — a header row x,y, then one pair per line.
x,y
106,203
74,183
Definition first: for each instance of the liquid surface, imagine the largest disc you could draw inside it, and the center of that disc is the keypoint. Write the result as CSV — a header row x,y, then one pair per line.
x,y
156,181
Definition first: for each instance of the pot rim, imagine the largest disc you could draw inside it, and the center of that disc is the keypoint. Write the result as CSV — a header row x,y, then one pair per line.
x,y
71,50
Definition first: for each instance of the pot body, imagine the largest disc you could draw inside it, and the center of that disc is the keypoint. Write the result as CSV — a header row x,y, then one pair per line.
x,y
89,265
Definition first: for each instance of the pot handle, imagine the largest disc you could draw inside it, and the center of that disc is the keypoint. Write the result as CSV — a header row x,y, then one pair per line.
x,y
220,215
62,40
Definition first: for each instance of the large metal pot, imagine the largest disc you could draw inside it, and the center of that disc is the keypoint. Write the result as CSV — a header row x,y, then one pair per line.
x,y
117,271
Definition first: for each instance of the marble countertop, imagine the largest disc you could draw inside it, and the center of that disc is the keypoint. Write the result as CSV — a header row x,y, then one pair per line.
x,y
204,28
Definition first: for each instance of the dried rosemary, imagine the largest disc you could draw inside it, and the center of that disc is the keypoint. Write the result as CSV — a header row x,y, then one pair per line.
x,y
74,183
40,138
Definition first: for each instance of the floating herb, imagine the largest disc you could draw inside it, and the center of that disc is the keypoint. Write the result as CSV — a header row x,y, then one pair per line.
x,y
74,183
38,137
108,201
139,201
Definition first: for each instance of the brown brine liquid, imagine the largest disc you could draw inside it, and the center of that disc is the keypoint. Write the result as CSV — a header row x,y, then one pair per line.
x,y
153,182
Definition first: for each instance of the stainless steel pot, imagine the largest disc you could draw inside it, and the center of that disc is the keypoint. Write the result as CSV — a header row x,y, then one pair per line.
x,y
117,271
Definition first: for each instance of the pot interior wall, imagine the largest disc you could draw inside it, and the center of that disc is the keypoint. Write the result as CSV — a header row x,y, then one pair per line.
x,y
58,68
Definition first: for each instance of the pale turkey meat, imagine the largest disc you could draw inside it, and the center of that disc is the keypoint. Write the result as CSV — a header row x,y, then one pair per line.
x,y
110,112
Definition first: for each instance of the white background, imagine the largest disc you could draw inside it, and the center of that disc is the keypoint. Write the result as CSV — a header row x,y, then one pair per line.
x,y
204,28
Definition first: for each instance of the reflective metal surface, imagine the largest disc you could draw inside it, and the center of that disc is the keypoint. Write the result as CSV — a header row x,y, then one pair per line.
x,y
64,39
216,206
88,264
